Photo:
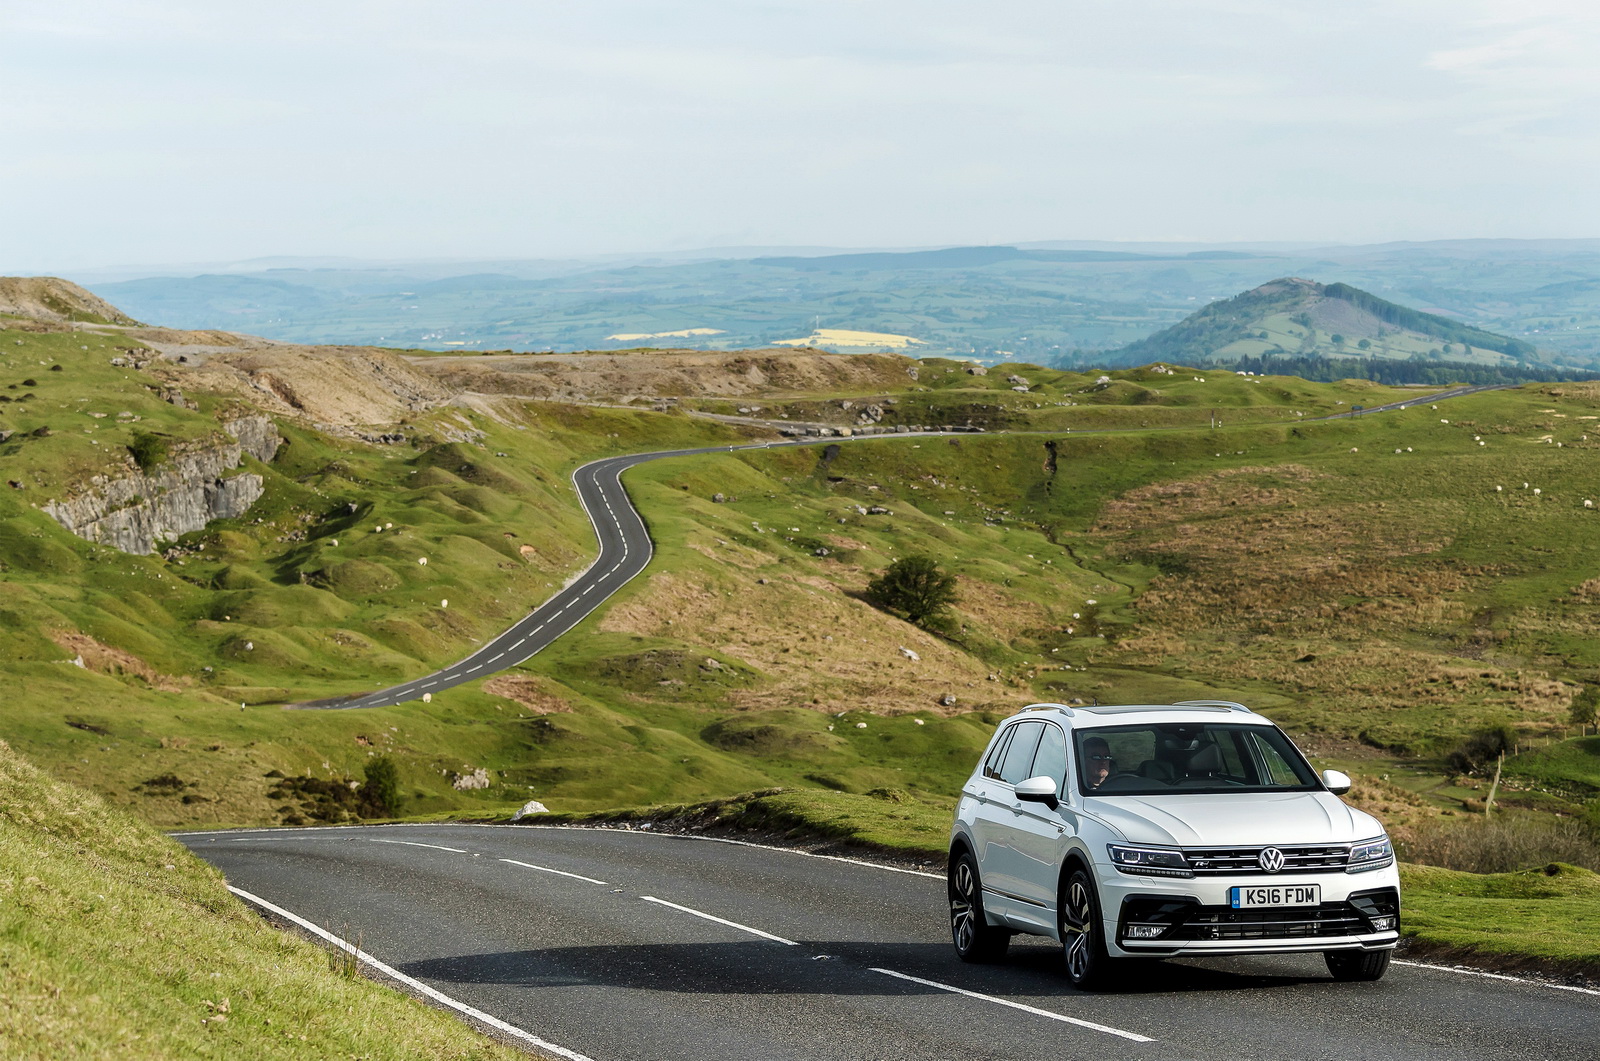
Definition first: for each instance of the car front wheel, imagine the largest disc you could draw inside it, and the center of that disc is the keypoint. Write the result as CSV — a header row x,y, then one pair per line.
x,y
1089,967
1355,966
976,940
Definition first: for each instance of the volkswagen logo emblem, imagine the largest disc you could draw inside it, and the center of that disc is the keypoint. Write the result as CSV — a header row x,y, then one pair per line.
x,y
1271,860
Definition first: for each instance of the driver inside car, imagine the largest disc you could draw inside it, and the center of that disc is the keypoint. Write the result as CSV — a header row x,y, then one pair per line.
x,y
1098,761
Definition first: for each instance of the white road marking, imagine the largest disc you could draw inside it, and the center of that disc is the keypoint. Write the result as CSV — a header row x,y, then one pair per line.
x,y
414,984
475,667
1091,1025
547,869
722,921
1498,976
413,843
496,656
427,685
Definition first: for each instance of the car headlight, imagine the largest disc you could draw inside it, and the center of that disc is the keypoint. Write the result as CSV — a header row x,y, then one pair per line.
x,y
1149,861
1370,854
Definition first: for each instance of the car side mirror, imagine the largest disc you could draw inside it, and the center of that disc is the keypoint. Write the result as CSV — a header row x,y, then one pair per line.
x,y
1039,789
1338,783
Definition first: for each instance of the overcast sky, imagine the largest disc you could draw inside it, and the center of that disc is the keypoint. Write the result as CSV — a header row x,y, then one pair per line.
x,y
146,131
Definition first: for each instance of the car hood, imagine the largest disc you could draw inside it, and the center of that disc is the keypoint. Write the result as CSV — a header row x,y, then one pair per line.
x,y
1229,819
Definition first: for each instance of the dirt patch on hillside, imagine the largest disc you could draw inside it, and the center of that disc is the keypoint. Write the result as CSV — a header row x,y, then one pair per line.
x,y
103,659
669,373
529,692
814,645
331,386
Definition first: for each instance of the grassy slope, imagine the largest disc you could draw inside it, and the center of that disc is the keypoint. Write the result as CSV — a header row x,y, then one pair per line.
x,y
1384,602
115,941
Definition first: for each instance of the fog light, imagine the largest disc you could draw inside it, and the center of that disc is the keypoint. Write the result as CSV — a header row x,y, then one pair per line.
x,y
1383,924
1145,931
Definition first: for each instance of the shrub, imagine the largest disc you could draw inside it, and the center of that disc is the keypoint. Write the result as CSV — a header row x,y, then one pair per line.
x,y
1584,706
149,450
1503,844
1482,748
380,796
914,585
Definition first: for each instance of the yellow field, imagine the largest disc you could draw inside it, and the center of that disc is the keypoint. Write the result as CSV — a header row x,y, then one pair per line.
x,y
682,333
826,337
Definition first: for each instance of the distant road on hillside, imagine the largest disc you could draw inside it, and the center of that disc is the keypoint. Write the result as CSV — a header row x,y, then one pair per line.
x,y
625,551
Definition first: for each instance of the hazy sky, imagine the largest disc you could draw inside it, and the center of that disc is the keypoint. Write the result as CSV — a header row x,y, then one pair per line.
x,y
165,130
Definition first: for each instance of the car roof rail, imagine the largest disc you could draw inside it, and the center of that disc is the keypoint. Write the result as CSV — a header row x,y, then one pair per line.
x,y
1063,708
1229,704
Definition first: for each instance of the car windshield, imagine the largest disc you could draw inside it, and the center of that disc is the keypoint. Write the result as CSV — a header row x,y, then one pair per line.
x,y
1189,757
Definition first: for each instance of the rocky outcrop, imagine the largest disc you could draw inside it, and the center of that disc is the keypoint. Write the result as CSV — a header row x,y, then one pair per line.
x,y
135,511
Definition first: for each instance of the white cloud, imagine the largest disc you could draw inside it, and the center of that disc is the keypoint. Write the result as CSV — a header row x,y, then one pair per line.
x,y
402,127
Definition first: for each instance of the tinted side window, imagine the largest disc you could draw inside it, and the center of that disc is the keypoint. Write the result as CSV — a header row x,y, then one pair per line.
x,y
1051,759
1019,756
991,765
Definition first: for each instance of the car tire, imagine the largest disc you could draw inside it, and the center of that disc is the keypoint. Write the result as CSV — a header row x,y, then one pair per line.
x,y
1357,966
1089,966
975,939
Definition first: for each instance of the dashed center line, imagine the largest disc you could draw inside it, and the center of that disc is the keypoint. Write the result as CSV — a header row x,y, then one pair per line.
x,y
413,843
1036,1011
558,872
721,921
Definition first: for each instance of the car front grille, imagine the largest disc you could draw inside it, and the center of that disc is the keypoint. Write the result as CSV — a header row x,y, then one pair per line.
x,y
1246,861
1184,920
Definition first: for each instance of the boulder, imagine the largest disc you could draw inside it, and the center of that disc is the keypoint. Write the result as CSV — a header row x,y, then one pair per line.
x,y
531,807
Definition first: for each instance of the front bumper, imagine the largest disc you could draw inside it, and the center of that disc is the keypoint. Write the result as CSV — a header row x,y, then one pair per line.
x,y
1195,917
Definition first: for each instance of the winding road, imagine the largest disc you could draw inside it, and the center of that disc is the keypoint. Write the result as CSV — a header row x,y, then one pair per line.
x,y
625,551
636,946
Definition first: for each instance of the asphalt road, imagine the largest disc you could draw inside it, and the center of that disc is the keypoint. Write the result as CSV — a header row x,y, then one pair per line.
x,y
609,944
625,550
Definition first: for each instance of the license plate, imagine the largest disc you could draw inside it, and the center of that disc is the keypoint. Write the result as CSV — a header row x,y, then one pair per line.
x,y
1276,895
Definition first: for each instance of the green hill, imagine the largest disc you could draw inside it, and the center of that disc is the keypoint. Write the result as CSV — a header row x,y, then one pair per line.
x,y
1291,318
116,942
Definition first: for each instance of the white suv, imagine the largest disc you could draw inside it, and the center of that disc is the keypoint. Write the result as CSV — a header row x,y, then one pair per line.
x,y
1188,829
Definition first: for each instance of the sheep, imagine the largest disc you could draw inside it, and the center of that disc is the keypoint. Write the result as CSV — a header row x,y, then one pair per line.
x,y
1537,491
1587,503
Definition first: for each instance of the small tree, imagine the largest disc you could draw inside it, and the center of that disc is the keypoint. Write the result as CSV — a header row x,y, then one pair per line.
x,y
1585,706
380,795
914,585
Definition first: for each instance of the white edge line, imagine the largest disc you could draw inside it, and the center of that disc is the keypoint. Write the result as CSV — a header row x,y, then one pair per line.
x,y
559,872
722,921
413,843
1091,1025
1497,976
417,985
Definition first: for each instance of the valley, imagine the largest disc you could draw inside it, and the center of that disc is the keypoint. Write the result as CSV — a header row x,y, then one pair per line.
x,y
1392,587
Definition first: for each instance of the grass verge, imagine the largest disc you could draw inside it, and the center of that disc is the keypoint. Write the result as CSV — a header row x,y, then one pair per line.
x,y
116,942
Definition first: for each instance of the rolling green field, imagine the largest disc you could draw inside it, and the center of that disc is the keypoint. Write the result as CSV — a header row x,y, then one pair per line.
x,y
1360,580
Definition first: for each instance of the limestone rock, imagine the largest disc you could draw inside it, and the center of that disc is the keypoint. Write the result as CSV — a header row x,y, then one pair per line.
x,y
135,511
479,778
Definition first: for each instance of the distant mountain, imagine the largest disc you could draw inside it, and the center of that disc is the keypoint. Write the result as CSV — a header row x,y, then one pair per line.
x,y
1042,302
978,257
1292,318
